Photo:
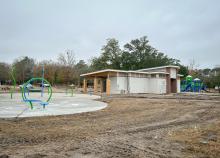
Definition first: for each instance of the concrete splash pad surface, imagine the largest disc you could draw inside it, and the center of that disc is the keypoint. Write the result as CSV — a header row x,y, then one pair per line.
x,y
60,104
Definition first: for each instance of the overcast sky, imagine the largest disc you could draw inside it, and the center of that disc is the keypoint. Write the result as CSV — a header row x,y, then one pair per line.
x,y
41,29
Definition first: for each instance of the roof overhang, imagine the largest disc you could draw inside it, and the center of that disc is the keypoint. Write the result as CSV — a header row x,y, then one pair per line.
x,y
180,75
160,67
107,72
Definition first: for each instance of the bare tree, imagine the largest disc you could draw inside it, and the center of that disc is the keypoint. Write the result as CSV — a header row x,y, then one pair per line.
x,y
67,71
67,58
193,65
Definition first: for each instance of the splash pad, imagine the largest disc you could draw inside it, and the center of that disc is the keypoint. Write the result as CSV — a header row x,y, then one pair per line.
x,y
59,105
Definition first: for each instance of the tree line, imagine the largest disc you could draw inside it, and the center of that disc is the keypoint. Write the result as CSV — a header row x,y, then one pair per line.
x,y
136,54
63,71
210,77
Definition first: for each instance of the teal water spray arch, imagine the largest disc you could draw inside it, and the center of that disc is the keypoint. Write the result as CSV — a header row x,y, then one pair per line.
x,y
26,90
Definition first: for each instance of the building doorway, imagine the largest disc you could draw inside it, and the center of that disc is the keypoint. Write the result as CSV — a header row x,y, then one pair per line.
x,y
173,85
104,85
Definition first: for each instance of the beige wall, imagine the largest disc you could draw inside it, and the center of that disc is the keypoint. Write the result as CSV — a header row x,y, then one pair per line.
x,y
178,86
138,85
173,73
157,85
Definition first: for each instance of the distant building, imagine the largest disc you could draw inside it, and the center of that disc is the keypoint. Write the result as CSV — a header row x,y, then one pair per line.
x,y
216,70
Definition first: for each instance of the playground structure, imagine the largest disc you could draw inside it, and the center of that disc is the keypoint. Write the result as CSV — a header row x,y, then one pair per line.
x,y
25,89
192,85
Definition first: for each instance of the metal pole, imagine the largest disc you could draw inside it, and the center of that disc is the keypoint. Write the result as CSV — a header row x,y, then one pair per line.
x,y
42,82
13,80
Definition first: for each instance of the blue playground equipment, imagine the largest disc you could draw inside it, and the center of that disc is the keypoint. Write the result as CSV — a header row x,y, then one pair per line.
x,y
192,85
26,90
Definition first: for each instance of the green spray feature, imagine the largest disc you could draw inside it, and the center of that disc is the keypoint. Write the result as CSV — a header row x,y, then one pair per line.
x,y
12,74
70,89
29,100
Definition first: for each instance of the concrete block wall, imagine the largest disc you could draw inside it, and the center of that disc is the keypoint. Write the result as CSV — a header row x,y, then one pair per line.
x,y
157,85
139,85
173,73
178,86
122,84
113,87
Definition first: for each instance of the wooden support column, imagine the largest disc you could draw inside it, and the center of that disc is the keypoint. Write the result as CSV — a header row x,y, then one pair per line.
x,y
84,85
168,82
177,78
101,86
95,85
108,85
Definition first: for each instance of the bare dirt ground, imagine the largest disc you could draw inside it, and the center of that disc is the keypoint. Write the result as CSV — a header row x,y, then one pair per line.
x,y
128,127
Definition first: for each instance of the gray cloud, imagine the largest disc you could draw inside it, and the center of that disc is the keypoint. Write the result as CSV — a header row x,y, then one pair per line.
x,y
42,29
